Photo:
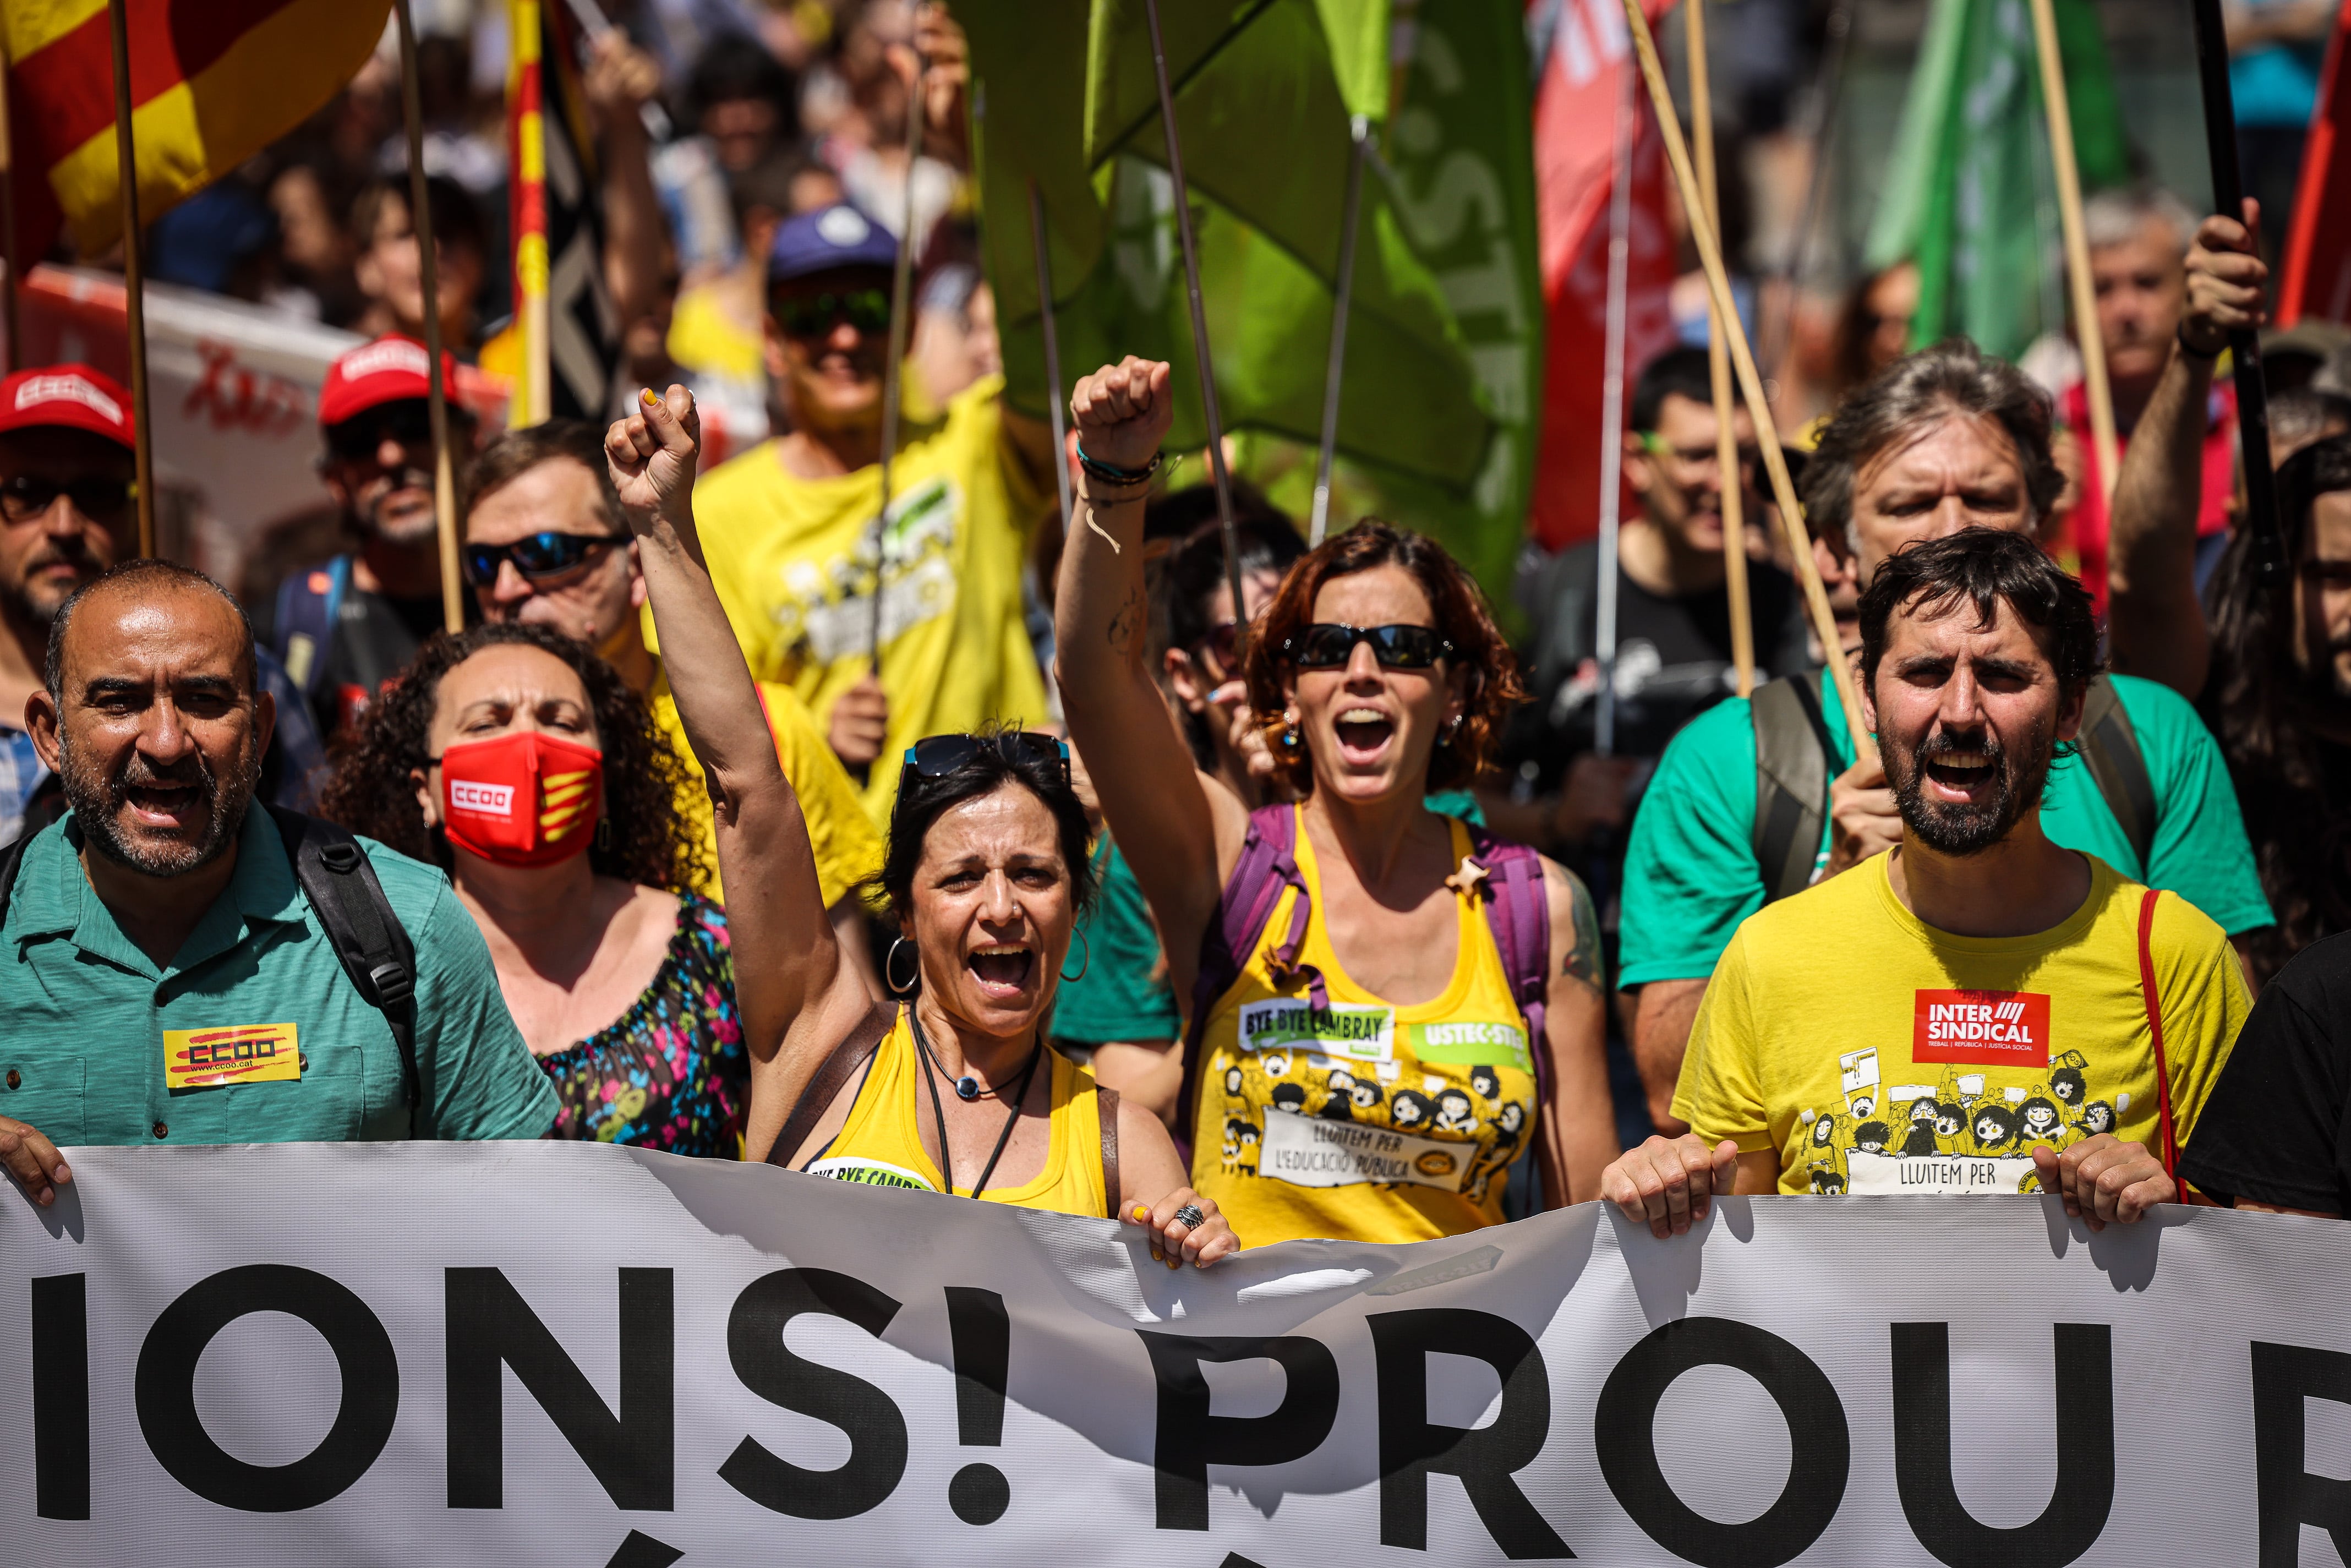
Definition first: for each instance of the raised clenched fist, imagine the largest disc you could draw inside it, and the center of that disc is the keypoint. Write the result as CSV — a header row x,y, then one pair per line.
x,y
1121,411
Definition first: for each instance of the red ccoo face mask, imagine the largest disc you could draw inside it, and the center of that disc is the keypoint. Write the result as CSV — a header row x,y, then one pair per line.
x,y
529,799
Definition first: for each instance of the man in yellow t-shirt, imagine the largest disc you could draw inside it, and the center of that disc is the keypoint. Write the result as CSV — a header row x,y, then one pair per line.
x,y
1968,1013
788,526
544,542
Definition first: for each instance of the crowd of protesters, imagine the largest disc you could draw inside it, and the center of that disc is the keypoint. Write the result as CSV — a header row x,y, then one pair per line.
x,y
1022,863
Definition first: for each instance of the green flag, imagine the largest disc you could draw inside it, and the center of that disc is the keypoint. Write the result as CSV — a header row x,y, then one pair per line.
x,y
1437,405
1968,194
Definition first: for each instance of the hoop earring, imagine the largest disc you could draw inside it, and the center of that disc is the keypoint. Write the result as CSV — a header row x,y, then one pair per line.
x,y
890,969
604,833
1084,964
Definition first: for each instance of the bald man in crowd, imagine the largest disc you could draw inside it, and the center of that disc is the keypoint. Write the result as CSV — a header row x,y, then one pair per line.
x,y
170,938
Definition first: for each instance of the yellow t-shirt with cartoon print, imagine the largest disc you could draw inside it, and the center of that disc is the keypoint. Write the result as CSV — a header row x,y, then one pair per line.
x,y
794,565
1364,1121
1876,1054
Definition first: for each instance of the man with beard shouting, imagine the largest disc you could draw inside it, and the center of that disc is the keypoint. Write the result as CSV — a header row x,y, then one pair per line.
x,y
166,973
1980,1010
1754,801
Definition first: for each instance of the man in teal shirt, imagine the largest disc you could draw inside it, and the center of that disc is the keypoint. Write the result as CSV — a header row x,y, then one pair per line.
x,y
1944,440
162,917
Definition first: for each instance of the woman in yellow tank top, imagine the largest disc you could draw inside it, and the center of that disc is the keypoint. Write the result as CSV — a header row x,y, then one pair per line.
x,y
954,1091
1370,1075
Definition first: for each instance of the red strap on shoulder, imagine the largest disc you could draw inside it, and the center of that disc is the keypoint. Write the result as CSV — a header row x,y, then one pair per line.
x,y
2154,1029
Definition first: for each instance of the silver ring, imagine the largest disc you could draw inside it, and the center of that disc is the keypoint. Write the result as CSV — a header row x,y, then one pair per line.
x,y
1190,1218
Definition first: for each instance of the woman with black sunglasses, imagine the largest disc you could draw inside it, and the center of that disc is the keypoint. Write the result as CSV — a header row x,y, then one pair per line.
x,y
1388,1009
954,1090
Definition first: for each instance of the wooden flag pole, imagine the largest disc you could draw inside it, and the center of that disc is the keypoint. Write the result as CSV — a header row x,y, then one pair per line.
x,y
134,300
2077,250
894,374
445,481
1742,359
1200,331
1718,355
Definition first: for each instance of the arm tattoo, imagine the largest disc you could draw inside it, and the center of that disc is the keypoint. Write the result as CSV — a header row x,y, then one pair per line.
x,y
1583,959
1128,621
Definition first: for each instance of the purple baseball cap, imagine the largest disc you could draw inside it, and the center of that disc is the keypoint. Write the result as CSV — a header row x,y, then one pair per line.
x,y
834,236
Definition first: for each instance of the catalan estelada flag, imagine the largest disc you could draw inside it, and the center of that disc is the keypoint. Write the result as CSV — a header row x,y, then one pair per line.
x,y
212,83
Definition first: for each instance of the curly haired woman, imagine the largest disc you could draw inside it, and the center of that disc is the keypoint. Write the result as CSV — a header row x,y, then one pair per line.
x,y
523,764
1368,1052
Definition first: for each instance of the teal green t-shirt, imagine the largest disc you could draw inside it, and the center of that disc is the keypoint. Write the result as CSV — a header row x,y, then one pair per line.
x,y
1123,993
253,1020
1691,876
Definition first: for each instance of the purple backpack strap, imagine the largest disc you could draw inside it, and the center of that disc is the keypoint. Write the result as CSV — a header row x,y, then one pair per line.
x,y
1267,865
1519,915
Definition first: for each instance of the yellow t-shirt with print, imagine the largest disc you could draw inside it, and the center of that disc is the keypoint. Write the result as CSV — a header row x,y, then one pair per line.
x,y
847,850
1879,1055
793,563
1366,1121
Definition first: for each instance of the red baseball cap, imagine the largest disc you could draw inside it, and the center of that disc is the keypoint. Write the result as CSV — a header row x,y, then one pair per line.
x,y
385,371
74,396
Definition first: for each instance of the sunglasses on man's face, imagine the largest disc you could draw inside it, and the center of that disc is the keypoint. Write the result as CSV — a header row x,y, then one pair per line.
x,y
25,496
538,557
936,756
407,422
813,316
1327,645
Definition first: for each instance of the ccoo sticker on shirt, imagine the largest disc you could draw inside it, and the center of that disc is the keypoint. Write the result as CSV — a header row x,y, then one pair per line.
x,y
237,1053
1981,1028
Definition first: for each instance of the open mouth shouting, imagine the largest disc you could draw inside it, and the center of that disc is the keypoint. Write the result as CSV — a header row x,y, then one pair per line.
x,y
1961,774
166,805
1002,969
1364,733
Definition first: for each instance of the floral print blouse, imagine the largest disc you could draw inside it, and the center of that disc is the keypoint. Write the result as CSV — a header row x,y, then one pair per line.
x,y
671,1072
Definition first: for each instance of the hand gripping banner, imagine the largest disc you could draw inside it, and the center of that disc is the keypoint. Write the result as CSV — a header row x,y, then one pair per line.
x,y
581,1355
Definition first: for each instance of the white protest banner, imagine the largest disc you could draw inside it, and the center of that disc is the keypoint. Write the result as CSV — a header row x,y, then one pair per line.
x,y
553,1354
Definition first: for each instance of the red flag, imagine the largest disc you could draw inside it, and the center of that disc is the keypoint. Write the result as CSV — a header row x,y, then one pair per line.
x,y
2318,250
1582,81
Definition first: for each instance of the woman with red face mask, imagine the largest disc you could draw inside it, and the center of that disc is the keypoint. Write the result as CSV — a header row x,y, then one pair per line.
x,y
523,764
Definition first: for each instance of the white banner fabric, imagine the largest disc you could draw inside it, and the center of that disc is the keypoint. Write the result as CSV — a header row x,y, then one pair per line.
x,y
555,1353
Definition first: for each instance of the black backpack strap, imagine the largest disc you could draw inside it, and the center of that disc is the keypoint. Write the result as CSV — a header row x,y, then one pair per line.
x,y
12,855
853,1052
1106,1113
1793,756
2110,747
343,892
